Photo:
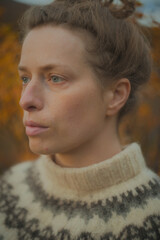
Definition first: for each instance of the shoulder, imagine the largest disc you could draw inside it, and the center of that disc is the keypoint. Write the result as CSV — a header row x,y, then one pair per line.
x,y
145,190
16,174
17,168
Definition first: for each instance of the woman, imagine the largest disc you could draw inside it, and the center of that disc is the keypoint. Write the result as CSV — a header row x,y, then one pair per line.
x,y
82,63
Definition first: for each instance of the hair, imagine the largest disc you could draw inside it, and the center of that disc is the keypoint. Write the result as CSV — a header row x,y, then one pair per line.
x,y
119,48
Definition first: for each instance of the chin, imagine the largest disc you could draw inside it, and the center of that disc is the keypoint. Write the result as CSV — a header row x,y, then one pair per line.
x,y
39,149
42,147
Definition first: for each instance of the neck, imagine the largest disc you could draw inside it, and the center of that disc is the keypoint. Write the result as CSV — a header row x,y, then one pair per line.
x,y
121,167
102,147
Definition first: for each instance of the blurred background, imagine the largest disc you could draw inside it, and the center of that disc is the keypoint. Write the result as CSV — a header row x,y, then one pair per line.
x,y
142,125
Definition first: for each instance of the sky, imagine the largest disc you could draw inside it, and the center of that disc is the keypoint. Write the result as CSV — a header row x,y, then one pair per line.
x,y
151,8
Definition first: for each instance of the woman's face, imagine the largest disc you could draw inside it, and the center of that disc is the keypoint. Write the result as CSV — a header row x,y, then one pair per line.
x,y
62,103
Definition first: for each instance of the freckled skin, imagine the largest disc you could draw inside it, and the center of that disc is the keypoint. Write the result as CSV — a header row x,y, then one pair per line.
x,y
73,110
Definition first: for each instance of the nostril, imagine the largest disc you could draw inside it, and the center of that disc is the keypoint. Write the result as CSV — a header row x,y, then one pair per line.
x,y
31,101
31,108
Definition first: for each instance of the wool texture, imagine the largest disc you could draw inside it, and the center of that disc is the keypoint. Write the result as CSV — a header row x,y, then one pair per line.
x,y
117,199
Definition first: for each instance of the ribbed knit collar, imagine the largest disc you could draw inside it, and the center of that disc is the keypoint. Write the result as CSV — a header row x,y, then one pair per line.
x,y
121,167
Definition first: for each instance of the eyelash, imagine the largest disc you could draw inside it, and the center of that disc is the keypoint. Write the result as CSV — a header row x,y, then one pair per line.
x,y
23,82
50,79
56,77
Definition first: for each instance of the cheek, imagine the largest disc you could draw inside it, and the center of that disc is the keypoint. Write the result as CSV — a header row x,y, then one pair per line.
x,y
78,110
73,109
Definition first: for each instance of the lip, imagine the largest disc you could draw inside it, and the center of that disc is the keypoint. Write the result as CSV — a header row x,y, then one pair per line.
x,y
33,124
33,128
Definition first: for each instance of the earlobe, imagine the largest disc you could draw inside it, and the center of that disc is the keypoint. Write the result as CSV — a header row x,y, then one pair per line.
x,y
120,93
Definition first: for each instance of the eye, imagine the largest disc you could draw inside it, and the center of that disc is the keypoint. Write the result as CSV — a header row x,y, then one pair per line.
x,y
56,79
25,80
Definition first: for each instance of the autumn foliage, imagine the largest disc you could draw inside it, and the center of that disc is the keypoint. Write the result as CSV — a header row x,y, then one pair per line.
x,y
142,125
12,139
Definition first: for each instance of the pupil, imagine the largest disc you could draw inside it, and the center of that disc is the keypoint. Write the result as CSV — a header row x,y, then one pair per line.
x,y
25,79
55,79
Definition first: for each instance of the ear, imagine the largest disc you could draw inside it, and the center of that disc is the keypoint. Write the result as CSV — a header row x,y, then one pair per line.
x,y
119,94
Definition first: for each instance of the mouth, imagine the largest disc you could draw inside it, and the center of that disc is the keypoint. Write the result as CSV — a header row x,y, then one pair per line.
x,y
33,128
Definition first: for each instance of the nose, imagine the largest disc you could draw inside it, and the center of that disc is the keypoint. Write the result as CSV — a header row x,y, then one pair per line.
x,y
31,97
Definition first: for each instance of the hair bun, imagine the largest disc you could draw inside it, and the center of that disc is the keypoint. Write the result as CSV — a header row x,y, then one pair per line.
x,y
120,12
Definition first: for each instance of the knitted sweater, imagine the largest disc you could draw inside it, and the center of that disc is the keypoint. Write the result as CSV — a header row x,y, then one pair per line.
x,y
117,199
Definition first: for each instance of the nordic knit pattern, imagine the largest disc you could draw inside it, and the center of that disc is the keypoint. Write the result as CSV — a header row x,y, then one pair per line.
x,y
117,199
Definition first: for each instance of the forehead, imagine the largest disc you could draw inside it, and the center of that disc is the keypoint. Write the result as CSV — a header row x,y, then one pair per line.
x,y
53,43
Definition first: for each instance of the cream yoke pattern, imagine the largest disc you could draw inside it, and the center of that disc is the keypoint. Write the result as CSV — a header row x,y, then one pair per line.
x,y
117,199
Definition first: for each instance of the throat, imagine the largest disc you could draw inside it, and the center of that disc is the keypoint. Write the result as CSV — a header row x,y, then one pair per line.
x,y
86,156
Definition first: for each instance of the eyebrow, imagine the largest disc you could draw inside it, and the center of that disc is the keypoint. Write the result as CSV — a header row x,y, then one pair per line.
x,y
45,68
